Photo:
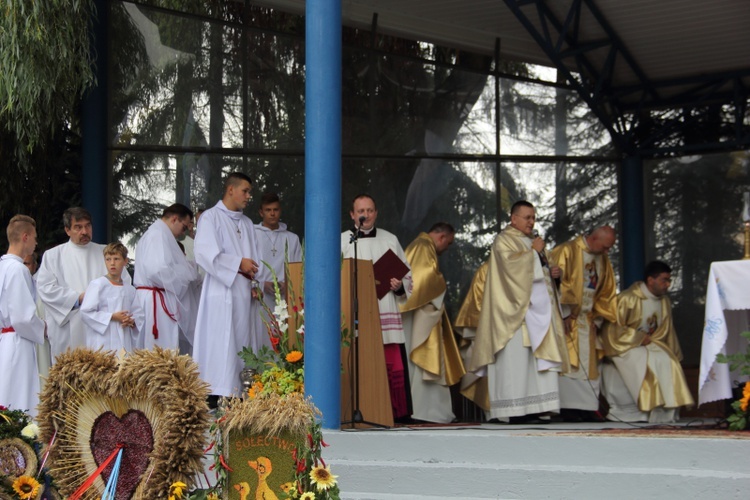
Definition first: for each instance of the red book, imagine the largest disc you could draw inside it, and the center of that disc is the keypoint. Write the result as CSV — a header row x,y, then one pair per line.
x,y
388,266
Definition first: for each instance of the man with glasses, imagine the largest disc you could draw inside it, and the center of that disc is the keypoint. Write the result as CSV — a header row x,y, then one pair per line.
x,y
65,273
644,381
163,279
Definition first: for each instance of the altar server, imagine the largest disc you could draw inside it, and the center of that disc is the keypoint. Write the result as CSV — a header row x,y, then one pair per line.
x,y
21,329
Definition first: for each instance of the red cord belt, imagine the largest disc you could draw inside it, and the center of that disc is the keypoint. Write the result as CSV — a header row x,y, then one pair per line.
x,y
157,291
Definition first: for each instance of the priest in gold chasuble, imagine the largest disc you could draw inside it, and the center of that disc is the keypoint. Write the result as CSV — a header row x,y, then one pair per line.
x,y
433,357
466,325
644,381
587,295
519,344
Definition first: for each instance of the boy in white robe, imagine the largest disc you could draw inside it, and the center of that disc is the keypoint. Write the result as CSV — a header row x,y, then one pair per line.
x,y
20,328
112,317
277,245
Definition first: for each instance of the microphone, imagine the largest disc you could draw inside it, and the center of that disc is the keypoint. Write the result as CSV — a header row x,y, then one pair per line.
x,y
542,254
357,231
543,257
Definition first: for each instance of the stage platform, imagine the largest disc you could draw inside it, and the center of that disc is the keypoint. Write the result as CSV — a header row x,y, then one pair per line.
x,y
605,460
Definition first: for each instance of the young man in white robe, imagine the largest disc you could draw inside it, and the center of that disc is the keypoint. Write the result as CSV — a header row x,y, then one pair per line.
x,y
112,315
21,330
226,247
165,281
63,276
644,382
520,340
277,245
372,243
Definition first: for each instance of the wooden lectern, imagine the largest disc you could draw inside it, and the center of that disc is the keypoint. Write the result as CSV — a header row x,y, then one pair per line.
x,y
374,395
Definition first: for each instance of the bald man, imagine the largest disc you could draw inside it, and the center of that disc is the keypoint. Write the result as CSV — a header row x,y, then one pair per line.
x,y
588,297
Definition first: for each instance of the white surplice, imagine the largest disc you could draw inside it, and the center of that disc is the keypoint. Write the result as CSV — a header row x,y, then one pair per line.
x,y
228,316
103,299
160,263
64,274
372,248
19,384
275,245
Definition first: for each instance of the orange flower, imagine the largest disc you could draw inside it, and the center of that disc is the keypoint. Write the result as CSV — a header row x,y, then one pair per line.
x,y
293,356
745,397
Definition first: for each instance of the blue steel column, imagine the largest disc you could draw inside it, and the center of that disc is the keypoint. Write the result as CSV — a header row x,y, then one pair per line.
x,y
323,208
632,239
94,184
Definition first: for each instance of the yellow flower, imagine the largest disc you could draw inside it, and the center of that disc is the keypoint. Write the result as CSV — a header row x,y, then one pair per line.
x,y
745,397
308,495
293,356
322,477
175,491
30,431
26,487
212,496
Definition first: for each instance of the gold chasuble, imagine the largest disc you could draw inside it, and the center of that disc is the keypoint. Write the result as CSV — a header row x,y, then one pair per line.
x,y
506,299
428,285
618,338
569,257
468,315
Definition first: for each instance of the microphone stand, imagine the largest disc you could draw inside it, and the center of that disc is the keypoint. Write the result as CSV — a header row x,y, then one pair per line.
x,y
357,417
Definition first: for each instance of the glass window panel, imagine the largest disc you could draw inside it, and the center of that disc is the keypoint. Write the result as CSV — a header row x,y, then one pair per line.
x,y
397,105
693,218
532,114
184,87
275,100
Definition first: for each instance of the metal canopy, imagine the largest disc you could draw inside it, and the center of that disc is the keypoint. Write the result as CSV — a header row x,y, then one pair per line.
x,y
625,58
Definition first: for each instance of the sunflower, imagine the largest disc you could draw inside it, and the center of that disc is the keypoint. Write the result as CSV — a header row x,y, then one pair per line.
x,y
745,397
293,356
175,491
26,487
308,495
322,477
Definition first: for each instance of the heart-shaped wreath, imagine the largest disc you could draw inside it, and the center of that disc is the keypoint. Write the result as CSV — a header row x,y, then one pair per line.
x,y
152,404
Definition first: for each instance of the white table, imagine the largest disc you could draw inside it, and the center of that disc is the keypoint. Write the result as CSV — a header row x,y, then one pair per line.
x,y
727,314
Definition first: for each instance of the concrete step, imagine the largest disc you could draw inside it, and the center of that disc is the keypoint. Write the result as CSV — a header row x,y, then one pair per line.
x,y
498,462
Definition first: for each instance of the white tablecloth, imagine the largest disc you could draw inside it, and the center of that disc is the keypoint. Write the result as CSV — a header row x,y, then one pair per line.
x,y
727,313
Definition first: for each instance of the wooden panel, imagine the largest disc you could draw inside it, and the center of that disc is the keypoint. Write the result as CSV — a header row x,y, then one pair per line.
x,y
374,396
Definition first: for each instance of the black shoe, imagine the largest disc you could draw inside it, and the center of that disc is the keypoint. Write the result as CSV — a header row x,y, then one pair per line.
x,y
532,419
591,416
570,415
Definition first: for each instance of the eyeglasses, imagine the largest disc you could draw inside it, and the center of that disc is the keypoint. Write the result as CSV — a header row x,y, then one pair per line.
x,y
186,228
